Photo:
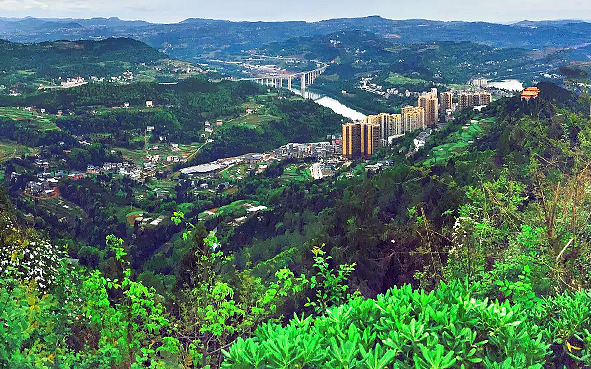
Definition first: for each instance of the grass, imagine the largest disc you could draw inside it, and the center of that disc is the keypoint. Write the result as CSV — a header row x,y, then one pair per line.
x,y
458,142
124,212
399,79
9,150
232,173
459,86
254,120
62,209
137,212
297,172
235,209
330,77
41,122
161,184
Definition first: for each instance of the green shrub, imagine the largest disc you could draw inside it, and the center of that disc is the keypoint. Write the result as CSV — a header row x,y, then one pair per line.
x,y
404,328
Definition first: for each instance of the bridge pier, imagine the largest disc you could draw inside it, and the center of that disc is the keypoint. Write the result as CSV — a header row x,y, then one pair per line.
x,y
306,79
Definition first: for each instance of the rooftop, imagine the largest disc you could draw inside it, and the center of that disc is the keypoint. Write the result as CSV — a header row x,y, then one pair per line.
x,y
203,168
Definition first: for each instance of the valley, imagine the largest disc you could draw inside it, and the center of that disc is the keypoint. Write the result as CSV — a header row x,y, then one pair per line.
x,y
347,193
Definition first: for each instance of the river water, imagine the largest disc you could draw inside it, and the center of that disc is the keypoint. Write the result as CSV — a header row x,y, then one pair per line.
x,y
332,104
508,84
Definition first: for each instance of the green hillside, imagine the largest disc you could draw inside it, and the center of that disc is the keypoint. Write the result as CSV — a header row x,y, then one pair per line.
x,y
26,66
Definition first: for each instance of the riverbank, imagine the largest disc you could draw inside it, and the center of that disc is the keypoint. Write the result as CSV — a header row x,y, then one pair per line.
x,y
331,103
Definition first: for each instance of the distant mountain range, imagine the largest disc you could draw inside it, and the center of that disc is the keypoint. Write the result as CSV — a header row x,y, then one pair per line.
x,y
206,38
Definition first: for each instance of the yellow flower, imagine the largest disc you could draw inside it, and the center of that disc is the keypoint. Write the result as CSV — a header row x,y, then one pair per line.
x,y
571,347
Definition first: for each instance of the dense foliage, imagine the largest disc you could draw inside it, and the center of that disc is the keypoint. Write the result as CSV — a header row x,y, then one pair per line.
x,y
45,62
472,251
446,328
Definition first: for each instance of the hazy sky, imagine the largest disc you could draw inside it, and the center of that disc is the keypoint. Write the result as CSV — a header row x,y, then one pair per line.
x,y
310,10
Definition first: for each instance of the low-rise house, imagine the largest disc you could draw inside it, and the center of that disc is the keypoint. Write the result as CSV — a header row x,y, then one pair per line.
x,y
252,158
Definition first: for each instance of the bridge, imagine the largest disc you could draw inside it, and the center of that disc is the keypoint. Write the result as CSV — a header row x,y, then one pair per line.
x,y
277,81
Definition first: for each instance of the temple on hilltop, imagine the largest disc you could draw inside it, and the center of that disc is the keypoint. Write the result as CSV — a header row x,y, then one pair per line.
x,y
530,93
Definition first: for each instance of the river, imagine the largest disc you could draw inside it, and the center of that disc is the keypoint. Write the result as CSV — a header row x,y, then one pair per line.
x,y
508,84
332,104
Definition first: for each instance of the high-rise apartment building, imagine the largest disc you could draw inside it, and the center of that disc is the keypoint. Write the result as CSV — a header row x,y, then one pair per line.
x,y
390,125
360,139
395,126
413,117
465,100
383,121
446,101
482,98
430,104
470,99
479,82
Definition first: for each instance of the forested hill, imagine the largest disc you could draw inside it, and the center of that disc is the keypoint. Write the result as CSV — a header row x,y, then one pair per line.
x,y
194,38
472,252
85,57
354,52
180,111
51,63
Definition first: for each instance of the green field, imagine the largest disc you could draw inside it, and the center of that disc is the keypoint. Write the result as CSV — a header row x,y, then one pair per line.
x,y
10,150
297,172
254,120
399,79
459,86
458,142
42,122
232,173
235,209
162,184
63,209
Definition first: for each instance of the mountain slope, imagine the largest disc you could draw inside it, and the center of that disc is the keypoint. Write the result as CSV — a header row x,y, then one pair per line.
x,y
195,37
52,62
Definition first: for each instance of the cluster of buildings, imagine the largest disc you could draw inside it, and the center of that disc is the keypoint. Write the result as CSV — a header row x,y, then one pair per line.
x,y
429,102
324,149
322,170
319,150
141,220
125,169
363,138
73,82
46,183
366,84
473,99
42,187
478,82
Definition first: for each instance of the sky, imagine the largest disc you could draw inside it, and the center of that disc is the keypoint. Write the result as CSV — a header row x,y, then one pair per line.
x,y
169,11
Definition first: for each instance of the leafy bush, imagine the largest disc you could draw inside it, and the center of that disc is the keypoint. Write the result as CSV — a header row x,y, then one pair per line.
x,y
403,328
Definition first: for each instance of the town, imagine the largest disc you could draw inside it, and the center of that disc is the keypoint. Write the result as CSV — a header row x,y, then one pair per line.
x,y
357,140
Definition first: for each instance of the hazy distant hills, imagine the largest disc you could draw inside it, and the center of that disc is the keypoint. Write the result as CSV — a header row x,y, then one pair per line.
x,y
203,38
